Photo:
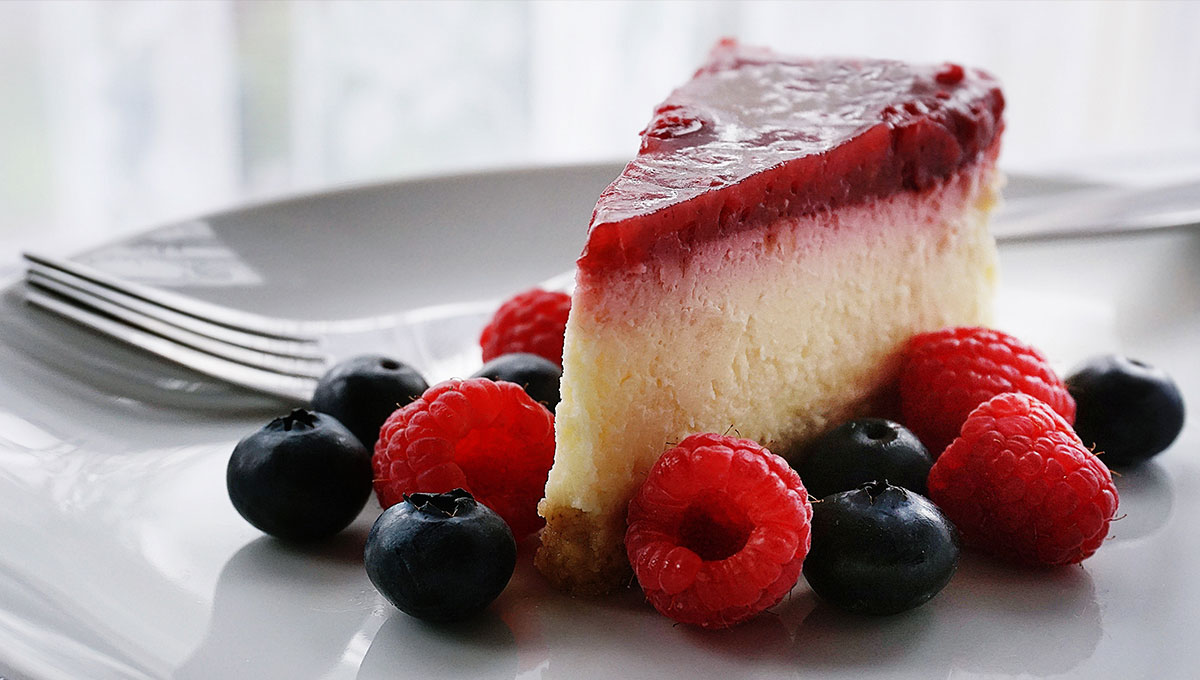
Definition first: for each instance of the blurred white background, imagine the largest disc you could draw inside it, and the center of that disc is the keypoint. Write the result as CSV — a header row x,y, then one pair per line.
x,y
115,116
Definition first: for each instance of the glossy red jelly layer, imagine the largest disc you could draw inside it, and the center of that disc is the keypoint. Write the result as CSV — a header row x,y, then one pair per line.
x,y
756,136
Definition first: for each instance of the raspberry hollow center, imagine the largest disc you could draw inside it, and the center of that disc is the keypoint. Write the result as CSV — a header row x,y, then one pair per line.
x,y
714,528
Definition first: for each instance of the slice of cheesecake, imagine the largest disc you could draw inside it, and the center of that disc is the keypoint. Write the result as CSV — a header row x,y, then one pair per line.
x,y
786,226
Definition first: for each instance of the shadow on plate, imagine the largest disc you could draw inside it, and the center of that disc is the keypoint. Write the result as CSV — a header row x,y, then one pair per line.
x,y
1146,498
506,640
404,646
282,611
1001,617
993,618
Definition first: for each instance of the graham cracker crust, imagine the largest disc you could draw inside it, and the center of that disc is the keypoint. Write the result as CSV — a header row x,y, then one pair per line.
x,y
582,553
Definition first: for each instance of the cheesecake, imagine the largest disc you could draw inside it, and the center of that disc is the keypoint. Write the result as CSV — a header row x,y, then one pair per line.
x,y
787,225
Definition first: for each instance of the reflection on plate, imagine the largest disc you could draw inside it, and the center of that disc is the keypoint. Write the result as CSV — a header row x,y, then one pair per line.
x,y
120,556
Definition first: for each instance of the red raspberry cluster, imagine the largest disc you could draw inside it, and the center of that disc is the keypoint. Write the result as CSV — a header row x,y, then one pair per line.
x,y
532,322
1019,484
949,372
489,438
719,530
1012,474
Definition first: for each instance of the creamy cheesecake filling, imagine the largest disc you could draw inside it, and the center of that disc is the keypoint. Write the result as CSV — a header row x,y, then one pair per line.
x,y
774,334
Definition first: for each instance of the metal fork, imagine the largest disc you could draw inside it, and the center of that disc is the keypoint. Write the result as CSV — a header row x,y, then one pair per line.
x,y
285,357
279,357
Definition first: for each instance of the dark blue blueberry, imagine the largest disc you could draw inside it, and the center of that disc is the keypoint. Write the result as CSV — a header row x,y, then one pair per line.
x,y
879,549
301,477
537,375
440,557
1127,409
863,450
363,391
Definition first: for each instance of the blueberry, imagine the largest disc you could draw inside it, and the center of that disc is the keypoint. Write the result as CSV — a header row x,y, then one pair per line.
x,y
363,391
301,477
879,549
859,451
537,375
1129,410
440,557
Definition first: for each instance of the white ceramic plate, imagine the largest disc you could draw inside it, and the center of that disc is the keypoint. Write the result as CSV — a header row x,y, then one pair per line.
x,y
121,557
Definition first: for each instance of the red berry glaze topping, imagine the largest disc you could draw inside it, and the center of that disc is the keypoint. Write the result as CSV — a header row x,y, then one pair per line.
x,y
489,438
951,74
719,530
1019,484
532,322
756,136
947,373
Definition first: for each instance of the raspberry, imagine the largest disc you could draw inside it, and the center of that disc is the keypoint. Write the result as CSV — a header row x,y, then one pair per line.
x,y
948,373
489,438
532,322
1019,484
718,531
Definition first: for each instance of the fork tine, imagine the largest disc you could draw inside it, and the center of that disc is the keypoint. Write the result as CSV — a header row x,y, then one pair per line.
x,y
287,329
288,387
306,368
39,274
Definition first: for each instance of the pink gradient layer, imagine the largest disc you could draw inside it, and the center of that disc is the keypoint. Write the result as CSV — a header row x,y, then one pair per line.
x,y
613,293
